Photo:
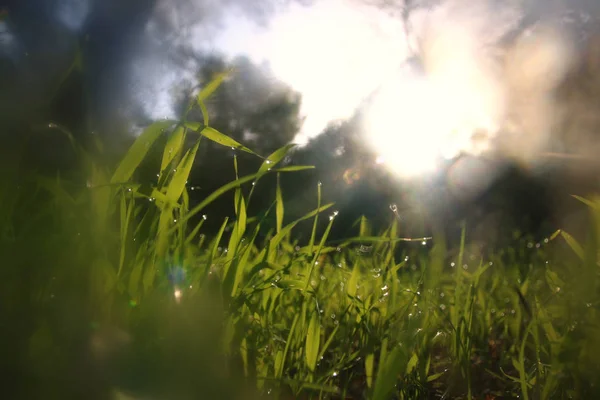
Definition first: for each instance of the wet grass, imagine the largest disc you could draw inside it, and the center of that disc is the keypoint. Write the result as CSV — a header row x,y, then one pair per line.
x,y
111,287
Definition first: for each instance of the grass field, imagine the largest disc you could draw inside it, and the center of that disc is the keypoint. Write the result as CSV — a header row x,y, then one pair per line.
x,y
110,287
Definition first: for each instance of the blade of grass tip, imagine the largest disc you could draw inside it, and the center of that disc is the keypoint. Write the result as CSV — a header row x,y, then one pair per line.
x,y
173,147
388,374
587,202
275,240
237,233
162,240
279,206
181,175
215,195
294,168
194,232
574,245
126,211
318,253
268,164
205,93
218,137
316,220
312,342
217,239
279,369
369,368
212,86
328,341
274,159
137,152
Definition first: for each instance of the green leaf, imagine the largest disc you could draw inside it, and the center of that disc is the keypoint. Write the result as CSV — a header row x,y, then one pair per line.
x,y
412,363
294,168
218,239
369,364
275,158
212,86
434,377
215,195
177,184
134,280
278,206
587,202
312,342
574,244
274,242
138,151
218,137
173,147
388,374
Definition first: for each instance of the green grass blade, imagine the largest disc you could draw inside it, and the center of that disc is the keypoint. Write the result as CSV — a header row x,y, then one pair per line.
x,y
137,152
312,342
573,244
181,175
388,374
279,205
215,195
217,137
173,147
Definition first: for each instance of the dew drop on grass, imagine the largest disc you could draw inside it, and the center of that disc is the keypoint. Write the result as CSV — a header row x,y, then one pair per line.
x,y
588,305
442,307
394,208
384,288
322,277
320,183
452,264
424,242
493,311
529,245
174,221
332,316
406,258
465,267
442,294
204,217
335,374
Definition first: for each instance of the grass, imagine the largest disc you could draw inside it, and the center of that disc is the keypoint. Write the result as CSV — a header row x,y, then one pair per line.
x,y
111,287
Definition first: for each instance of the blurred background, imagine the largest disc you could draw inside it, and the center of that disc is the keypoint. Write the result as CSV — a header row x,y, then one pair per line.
x,y
436,106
